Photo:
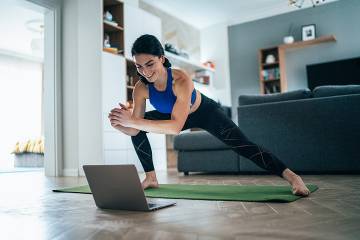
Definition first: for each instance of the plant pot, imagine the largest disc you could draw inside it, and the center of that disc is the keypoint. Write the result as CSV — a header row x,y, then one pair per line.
x,y
29,160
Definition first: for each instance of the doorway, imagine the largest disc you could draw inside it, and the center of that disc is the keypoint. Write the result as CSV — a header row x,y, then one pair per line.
x,y
30,93
21,74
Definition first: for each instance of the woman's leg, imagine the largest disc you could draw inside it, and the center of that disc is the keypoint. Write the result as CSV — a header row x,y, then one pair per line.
x,y
143,150
228,132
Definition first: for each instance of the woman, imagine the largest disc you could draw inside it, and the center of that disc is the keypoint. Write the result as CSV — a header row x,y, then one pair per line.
x,y
178,107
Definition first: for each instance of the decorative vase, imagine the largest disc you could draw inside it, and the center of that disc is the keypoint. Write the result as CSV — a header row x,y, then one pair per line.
x,y
270,59
288,39
108,16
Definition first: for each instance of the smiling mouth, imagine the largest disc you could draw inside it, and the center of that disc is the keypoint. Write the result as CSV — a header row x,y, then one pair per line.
x,y
150,76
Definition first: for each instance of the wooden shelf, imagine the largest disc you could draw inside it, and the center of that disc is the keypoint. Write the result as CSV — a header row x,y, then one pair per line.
x,y
271,80
108,3
132,78
270,64
302,44
115,32
279,54
120,52
111,28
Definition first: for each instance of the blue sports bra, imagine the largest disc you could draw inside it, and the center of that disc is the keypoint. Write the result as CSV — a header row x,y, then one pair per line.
x,y
164,101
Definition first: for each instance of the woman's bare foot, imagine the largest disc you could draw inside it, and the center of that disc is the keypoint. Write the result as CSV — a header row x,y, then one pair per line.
x,y
150,181
298,186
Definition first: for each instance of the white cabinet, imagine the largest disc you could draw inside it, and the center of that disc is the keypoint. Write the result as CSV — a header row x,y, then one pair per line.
x,y
136,23
113,81
115,140
115,157
113,91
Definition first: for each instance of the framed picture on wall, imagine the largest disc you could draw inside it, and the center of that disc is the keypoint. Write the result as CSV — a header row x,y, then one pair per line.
x,y
308,32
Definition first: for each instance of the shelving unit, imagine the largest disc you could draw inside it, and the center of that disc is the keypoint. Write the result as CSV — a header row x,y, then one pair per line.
x,y
269,72
198,72
131,80
115,32
186,63
273,75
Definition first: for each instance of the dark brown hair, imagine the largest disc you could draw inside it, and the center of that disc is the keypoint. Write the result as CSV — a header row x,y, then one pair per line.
x,y
148,44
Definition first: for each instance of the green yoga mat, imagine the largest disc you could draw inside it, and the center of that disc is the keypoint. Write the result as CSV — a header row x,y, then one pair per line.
x,y
250,193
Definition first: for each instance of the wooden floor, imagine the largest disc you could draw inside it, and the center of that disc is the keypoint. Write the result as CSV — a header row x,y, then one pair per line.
x,y
30,210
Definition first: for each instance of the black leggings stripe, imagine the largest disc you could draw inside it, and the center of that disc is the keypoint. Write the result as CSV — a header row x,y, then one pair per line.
x,y
210,117
143,150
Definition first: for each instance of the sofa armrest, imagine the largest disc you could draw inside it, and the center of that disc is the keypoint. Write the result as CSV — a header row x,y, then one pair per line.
x,y
198,140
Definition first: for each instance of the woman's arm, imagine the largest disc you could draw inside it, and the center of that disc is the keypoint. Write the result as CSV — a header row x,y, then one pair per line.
x,y
139,99
180,112
126,130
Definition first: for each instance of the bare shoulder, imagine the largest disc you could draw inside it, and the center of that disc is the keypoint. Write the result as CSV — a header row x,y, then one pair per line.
x,y
140,90
182,82
180,76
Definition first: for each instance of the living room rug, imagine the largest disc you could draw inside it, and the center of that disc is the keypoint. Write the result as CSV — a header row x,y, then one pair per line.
x,y
249,193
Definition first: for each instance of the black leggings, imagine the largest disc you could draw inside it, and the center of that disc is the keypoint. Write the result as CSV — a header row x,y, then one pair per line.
x,y
210,117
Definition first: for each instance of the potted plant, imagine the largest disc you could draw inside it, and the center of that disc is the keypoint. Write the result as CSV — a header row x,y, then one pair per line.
x,y
29,153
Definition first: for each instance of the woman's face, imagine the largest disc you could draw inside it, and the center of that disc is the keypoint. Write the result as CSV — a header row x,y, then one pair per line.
x,y
149,66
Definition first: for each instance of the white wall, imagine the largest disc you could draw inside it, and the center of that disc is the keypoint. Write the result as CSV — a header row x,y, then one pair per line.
x,y
89,91
214,47
134,3
82,47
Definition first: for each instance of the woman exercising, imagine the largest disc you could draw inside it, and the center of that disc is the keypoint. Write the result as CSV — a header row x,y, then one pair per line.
x,y
178,107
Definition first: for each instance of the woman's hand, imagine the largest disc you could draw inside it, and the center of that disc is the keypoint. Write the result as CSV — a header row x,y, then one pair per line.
x,y
121,116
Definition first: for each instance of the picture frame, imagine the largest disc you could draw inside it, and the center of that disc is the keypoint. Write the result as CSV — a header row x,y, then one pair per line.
x,y
308,32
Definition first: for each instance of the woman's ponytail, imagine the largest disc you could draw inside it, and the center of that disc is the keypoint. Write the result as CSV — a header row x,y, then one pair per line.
x,y
167,63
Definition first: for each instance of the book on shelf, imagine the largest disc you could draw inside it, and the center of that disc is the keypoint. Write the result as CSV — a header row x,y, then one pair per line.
x,y
271,74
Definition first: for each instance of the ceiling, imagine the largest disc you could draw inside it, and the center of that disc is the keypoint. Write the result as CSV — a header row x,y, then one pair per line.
x,y
203,13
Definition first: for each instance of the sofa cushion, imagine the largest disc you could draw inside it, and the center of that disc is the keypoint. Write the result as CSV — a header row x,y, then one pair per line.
x,y
334,90
274,97
208,161
198,140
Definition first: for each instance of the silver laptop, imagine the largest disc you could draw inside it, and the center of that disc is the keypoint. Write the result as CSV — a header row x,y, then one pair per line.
x,y
119,187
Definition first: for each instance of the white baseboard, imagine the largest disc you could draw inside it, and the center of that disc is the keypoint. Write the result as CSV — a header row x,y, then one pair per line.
x,y
70,172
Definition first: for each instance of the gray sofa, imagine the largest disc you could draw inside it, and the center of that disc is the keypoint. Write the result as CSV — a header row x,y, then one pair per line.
x,y
311,132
